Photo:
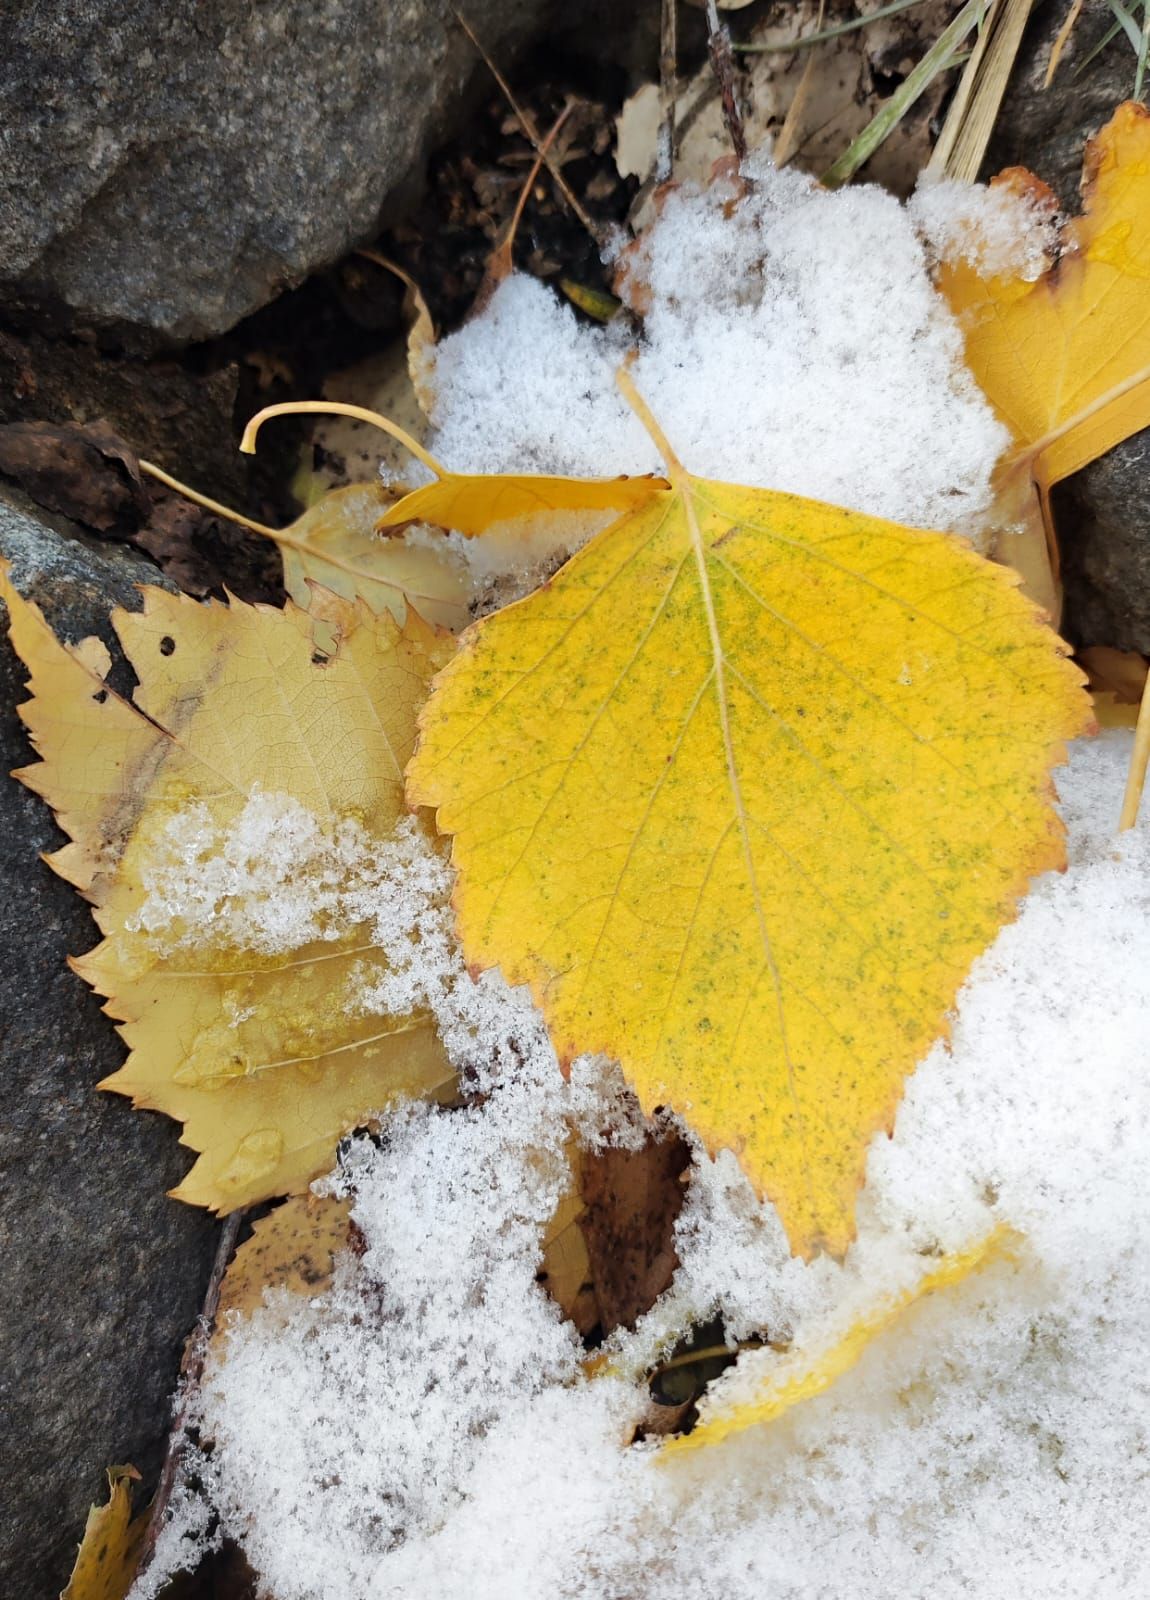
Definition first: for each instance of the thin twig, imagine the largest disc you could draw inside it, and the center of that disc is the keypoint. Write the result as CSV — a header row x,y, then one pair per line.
x,y
665,151
527,123
719,45
501,262
191,1371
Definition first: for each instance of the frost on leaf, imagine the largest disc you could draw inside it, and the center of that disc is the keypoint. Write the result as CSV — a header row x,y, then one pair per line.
x,y
222,825
741,794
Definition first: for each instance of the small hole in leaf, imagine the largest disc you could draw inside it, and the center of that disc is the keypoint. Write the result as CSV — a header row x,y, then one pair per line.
x,y
167,645
318,659
100,696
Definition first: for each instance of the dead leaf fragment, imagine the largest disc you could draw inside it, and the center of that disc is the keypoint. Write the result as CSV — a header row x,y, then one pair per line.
x,y
86,472
110,1549
609,1251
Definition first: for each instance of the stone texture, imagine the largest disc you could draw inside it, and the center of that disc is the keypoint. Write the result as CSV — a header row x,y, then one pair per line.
x,y
1103,517
1103,513
165,169
1047,129
103,1274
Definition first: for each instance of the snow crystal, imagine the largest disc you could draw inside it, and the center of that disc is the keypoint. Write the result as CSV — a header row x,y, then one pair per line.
x,y
792,339
423,1428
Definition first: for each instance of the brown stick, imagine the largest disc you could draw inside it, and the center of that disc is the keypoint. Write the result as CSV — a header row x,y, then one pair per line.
x,y
527,123
668,90
191,1371
719,45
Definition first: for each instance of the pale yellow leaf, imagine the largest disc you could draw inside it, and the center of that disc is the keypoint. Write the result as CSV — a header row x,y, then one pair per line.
x,y
335,544
265,1058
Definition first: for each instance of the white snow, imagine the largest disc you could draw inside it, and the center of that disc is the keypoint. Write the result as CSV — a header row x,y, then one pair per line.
x,y
998,229
423,1429
793,341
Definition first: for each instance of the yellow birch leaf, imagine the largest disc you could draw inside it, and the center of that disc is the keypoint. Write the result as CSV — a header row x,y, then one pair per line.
x,y
741,793
262,1056
335,544
791,1379
110,1550
473,503
1065,358
294,1247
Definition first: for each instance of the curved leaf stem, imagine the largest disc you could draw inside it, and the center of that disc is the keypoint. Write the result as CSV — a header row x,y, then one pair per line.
x,y
339,408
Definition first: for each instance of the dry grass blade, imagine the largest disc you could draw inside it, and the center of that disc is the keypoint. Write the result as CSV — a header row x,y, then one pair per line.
x,y
1061,42
1139,759
788,140
941,55
970,121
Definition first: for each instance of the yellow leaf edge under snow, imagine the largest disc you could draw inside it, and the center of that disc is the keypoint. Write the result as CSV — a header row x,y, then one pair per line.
x,y
805,1375
110,1549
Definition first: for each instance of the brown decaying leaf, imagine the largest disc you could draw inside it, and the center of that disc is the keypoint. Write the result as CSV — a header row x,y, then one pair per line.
x,y
609,1251
87,473
633,1200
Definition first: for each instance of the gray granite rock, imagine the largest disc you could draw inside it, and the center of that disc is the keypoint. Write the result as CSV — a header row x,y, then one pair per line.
x,y
1047,129
103,1274
1104,512
165,169
1103,517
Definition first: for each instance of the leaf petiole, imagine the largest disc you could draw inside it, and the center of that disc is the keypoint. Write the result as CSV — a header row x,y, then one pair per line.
x,y
339,408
